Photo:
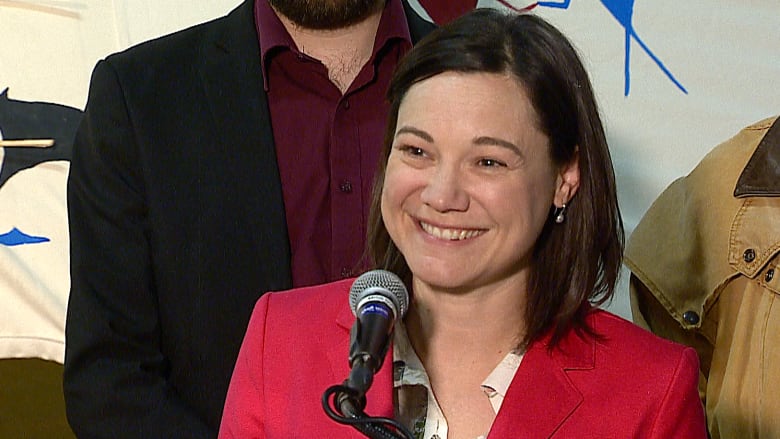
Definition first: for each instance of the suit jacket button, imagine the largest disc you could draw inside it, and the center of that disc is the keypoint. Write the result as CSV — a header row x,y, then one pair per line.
x,y
691,317
770,274
749,255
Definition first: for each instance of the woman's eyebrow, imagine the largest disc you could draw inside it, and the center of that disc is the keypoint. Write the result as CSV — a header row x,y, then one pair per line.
x,y
416,132
487,140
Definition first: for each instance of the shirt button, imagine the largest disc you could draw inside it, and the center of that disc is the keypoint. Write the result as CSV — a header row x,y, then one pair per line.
x,y
769,275
749,255
691,317
346,187
346,272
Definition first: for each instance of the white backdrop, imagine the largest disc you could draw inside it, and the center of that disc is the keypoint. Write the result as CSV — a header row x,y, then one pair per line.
x,y
724,54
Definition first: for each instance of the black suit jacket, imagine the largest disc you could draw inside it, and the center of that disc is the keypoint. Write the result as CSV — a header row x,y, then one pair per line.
x,y
177,228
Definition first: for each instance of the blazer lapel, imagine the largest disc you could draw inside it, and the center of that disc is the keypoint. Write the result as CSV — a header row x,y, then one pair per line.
x,y
541,397
338,346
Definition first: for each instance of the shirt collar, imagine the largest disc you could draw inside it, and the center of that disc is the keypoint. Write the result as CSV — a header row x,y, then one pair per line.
x,y
271,33
497,383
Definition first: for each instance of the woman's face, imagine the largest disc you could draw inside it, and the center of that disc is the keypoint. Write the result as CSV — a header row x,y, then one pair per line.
x,y
469,181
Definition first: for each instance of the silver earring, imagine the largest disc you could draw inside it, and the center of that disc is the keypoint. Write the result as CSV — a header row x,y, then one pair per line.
x,y
559,214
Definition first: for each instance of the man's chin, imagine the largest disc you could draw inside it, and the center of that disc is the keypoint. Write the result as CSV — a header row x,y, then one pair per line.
x,y
326,14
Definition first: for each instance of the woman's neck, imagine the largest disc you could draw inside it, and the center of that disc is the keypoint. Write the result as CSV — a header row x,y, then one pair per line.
x,y
484,324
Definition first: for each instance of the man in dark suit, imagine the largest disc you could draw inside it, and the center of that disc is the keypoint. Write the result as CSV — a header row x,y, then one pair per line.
x,y
214,165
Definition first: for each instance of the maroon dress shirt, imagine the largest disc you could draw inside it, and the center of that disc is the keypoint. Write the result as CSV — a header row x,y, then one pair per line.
x,y
327,144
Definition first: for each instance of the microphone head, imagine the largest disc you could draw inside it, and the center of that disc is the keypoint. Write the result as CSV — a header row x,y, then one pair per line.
x,y
381,282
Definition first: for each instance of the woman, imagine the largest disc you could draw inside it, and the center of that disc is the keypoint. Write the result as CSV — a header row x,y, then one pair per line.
x,y
496,205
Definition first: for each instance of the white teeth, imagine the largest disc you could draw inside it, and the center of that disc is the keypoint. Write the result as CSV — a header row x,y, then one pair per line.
x,y
450,234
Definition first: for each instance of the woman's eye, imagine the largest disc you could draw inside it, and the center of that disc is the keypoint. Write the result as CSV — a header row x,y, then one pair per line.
x,y
491,163
413,150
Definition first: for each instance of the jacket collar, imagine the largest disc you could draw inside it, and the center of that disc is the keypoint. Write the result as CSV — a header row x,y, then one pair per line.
x,y
761,176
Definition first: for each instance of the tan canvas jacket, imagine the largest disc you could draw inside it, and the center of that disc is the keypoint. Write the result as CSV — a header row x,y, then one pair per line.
x,y
705,263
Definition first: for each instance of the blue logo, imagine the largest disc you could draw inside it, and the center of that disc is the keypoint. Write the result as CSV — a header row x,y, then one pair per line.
x,y
373,308
17,237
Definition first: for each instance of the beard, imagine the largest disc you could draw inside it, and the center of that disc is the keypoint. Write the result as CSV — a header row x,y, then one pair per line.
x,y
326,14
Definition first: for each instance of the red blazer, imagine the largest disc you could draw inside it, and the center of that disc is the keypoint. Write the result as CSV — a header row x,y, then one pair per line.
x,y
632,384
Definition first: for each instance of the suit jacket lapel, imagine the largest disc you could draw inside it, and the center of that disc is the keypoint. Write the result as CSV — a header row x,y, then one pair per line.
x,y
542,397
232,80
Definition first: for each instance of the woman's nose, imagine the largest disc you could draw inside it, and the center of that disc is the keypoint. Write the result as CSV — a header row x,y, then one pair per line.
x,y
444,191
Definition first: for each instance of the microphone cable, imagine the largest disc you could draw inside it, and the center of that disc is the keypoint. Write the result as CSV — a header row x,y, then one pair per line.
x,y
348,410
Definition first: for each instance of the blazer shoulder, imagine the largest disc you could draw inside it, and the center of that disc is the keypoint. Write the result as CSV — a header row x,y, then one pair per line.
x,y
323,300
626,343
189,44
419,27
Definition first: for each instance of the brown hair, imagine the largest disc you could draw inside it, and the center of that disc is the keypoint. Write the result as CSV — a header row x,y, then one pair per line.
x,y
575,263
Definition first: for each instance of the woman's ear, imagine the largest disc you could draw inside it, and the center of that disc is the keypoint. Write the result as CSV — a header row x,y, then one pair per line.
x,y
568,180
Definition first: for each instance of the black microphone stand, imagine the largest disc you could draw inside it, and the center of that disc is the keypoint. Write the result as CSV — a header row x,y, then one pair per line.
x,y
348,404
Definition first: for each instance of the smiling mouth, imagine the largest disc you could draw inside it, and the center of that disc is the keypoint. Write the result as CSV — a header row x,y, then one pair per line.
x,y
450,234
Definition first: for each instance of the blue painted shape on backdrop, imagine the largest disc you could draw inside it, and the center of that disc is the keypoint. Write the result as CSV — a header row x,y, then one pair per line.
x,y
17,237
623,11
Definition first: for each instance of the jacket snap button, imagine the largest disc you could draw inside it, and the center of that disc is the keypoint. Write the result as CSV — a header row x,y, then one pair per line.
x,y
691,317
749,255
769,275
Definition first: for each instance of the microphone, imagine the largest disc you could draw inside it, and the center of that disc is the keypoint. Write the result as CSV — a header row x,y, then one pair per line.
x,y
378,298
